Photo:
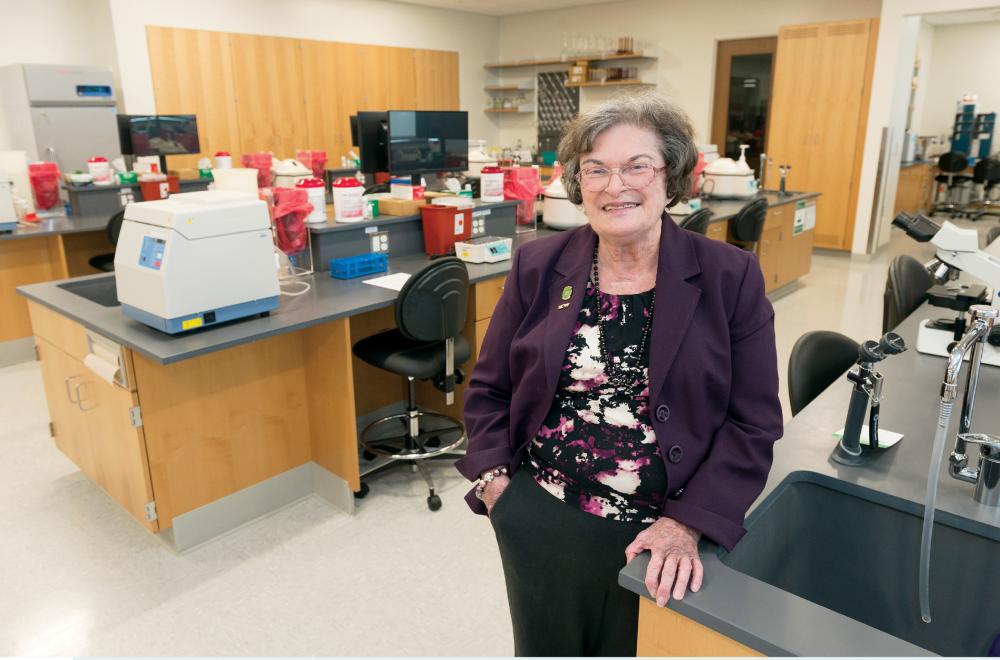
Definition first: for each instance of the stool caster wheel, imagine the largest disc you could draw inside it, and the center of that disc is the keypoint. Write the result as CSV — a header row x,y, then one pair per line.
x,y
360,495
367,455
434,502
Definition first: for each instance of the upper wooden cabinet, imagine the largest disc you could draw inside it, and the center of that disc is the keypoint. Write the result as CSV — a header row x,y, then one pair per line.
x,y
258,93
819,112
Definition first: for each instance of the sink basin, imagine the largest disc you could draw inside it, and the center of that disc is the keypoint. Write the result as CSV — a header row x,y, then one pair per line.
x,y
101,290
858,557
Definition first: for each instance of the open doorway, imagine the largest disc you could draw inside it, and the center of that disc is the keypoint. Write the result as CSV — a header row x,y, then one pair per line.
x,y
743,69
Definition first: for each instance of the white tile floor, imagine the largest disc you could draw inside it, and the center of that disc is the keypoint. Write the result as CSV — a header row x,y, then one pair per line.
x,y
79,577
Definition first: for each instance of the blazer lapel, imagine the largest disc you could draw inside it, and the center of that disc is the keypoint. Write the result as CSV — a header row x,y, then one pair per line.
x,y
566,293
676,300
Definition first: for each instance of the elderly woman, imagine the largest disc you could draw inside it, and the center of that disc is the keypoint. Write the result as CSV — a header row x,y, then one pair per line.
x,y
626,394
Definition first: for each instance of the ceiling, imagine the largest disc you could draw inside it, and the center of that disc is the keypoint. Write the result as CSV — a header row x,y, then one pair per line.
x,y
958,17
503,7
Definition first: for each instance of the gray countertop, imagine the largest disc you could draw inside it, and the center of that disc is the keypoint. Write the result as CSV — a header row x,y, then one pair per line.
x,y
328,299
724,209
779,623
60,225
332,225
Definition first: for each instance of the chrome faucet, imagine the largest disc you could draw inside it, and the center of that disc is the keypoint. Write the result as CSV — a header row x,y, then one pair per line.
x,y
986,476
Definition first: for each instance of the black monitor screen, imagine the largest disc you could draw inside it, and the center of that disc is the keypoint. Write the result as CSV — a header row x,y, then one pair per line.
x,y
368,129
158,135
428,141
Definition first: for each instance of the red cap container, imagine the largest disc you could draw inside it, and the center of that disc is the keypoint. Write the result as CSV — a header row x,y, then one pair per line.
x,y
443,225
313,182
97,159
222,153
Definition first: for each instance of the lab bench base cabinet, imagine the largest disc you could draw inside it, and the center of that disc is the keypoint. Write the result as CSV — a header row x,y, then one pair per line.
x,y
186,435
664,632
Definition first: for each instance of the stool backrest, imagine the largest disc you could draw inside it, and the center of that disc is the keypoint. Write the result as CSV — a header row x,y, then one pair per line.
x,y
905,287
697,221
986,170
431,305
114,227
953,162
818,359
748,224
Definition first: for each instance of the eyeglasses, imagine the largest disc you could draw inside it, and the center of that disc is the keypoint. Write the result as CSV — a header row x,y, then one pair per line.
x,y
634,176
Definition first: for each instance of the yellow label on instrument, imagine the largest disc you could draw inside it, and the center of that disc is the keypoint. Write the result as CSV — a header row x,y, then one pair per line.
x,y
196,322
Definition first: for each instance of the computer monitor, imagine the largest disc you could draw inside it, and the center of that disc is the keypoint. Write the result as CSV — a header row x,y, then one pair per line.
x,y
158,135
368,131
428,141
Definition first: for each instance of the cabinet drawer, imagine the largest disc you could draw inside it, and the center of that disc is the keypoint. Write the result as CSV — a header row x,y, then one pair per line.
x,y
487,294
69,336
775,217
718,231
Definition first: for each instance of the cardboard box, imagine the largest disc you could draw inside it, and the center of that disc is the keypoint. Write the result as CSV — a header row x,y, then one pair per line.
x,y
389,206
186,173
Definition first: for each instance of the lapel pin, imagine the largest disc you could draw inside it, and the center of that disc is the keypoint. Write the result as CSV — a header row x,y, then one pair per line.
x,y
563,306
567,292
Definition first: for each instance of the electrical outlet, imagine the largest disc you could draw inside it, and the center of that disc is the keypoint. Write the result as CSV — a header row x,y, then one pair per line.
x,y
478,226
380,241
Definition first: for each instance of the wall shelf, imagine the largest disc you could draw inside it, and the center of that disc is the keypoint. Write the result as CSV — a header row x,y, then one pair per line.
x,y
507,88
613,83
568,60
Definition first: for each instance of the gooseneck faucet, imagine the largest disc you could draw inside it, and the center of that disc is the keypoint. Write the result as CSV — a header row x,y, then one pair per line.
x,y
983,319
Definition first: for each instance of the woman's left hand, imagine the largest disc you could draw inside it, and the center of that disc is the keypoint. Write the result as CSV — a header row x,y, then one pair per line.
x,y
675,561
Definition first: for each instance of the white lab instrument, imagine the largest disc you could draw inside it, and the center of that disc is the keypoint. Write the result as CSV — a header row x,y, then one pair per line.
x,y
959,248
484,249
288,172
8,213
196,259
726,178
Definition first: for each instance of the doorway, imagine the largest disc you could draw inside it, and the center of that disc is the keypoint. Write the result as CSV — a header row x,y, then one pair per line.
x,y
743,81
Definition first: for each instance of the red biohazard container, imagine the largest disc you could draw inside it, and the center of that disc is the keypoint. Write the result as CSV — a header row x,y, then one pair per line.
x,y
44,179
443,225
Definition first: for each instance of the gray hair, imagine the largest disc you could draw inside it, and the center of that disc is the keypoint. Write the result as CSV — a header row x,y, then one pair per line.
x,y
644,110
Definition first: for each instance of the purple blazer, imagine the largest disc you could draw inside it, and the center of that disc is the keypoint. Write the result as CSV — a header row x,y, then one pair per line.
x,y
713,377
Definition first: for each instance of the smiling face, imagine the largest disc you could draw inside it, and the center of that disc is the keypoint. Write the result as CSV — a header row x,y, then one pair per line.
x,y
618,212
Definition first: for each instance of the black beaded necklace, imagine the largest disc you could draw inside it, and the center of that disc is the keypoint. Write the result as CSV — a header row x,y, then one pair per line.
x,y
612,372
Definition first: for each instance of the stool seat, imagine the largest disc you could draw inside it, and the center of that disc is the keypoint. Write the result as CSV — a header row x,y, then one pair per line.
x,y
394,352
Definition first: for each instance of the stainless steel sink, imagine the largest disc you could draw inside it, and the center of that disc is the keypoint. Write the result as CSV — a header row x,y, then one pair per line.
x,y
101,290
858,557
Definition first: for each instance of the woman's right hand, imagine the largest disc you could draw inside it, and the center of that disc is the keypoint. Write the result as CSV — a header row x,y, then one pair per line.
x,y
493,491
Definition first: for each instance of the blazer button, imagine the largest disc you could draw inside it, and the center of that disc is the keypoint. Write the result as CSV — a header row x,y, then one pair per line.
x,y
662,413
675,454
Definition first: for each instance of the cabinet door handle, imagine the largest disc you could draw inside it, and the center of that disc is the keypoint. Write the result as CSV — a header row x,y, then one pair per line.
x,y
69,394
79,398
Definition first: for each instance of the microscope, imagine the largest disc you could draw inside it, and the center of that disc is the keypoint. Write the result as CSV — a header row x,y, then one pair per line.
x,y
957,251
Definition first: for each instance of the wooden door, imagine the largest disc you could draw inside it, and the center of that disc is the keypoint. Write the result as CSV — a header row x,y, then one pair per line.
x,y
791,138
192,73
270,94
436,74
727,50
822,85
334,91
401,84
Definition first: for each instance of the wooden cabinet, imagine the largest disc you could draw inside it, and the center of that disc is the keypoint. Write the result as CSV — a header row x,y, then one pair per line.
x,y
663,633
92,424
260,93
718,231
915,188
819,111
784,255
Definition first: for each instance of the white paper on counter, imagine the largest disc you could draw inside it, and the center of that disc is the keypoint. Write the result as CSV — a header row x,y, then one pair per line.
x,y
885,438
394,281
108,371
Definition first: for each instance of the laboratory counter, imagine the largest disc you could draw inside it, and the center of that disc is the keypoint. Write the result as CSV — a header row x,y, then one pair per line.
x,y
72,224
828,566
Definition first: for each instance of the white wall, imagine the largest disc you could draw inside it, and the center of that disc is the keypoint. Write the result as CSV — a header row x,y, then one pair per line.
x,y
925,54
473,36
965,60
684,31
896,48
55,32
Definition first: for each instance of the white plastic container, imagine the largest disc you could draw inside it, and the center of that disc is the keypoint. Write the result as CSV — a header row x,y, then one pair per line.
x,y
223,160
288,172
348,206
317,197
100,171
557,211
491,184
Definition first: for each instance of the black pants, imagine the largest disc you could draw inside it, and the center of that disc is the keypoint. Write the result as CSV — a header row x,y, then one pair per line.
x,y
561,568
